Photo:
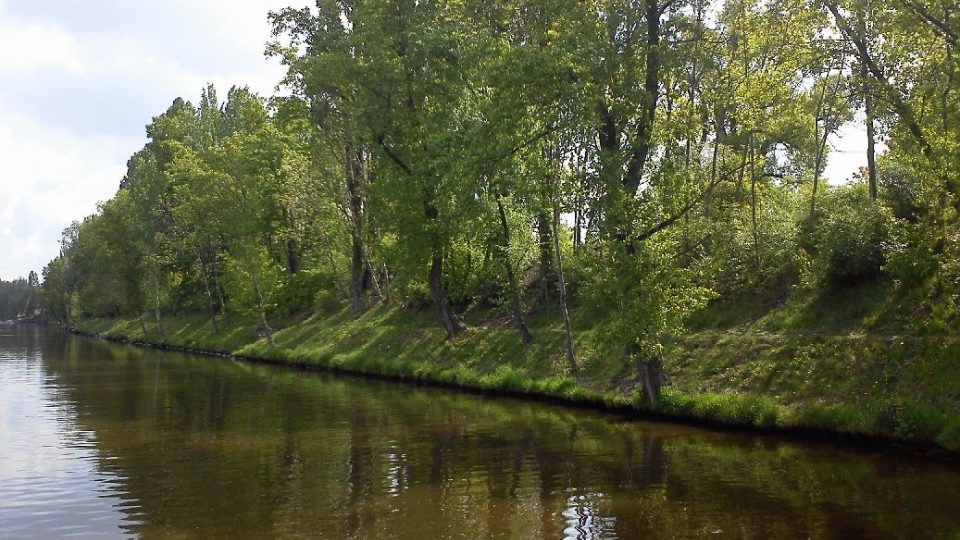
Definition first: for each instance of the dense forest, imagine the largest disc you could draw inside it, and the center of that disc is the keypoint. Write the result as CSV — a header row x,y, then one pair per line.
x,y
634,160
18,298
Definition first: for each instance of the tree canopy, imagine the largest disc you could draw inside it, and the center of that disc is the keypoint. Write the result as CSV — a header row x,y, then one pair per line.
x,y
631,158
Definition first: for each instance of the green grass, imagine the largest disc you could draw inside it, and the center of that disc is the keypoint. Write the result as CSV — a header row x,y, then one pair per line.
x,y
760,362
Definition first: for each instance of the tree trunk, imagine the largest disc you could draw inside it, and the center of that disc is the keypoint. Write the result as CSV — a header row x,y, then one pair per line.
x,y
754,211
546,278
206,286
571,359
261,308
652,376
448,318
713,176
221,297
156,307
518,321
263,312
353,171
293,256
817,164
820,139
871,135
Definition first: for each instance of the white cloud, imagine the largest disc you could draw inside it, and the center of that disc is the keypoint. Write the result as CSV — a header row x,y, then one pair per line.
x,y
48,179
78,81
34,46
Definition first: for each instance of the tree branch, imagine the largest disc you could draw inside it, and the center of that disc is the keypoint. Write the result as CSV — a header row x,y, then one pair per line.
x,y
393,157
903,109
928,17
645,235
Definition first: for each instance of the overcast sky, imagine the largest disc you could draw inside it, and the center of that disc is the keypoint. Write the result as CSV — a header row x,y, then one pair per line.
x,y
79,80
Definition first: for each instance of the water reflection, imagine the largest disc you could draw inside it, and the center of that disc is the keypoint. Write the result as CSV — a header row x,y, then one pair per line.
x,y
171,445
50,479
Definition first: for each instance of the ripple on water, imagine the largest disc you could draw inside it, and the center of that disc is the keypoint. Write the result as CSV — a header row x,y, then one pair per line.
x,y
103,441
51,482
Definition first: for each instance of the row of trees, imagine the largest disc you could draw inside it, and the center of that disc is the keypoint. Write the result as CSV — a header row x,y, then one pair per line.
x,y
633,158
18,298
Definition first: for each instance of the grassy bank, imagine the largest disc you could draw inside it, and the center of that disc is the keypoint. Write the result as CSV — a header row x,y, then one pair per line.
x,y
749,371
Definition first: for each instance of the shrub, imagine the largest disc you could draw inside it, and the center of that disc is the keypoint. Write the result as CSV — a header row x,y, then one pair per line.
x,y
950,434
297,293
850,235
909,255
919,421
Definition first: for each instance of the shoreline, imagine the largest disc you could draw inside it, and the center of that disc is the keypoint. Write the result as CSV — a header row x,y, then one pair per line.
x,y
585,401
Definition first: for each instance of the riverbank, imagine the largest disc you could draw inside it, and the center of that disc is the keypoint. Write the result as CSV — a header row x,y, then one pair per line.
x,y
885,389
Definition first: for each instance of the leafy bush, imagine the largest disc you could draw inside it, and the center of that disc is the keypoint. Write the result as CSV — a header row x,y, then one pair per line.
x,y
950,435
919,421
908,253
297,293
850,235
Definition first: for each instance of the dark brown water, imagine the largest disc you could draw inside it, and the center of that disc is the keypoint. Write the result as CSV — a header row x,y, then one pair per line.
x,y
99,440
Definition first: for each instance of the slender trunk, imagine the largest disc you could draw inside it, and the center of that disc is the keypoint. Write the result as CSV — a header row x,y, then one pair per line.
x,y
371,275
820,139
263,314
206,286
385,280
356,276
753,211
143,325
261,308
713,176
221,296
448,318
293,257
518,321
64,296
578,225
817,164
871,135
384,271
571,359
642,149
741,172
156,306
214,272
546,278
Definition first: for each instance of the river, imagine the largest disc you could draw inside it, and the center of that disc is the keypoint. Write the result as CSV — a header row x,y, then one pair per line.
x,y
99,440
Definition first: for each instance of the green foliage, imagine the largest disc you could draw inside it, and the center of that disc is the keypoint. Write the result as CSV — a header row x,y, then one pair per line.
x,y
850,236
649,298
425,149
18,298
298,293
734,409
908,254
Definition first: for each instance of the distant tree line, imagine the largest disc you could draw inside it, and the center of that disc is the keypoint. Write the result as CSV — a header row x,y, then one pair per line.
x,y
18,298
632,158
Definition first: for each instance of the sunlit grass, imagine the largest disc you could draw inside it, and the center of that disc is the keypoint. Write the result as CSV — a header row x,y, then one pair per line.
x,y
744,375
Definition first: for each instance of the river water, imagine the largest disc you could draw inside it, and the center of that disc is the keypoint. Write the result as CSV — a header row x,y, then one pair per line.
x,y
99,440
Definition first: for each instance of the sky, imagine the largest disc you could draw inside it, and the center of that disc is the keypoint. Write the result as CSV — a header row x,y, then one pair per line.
x,y
80,79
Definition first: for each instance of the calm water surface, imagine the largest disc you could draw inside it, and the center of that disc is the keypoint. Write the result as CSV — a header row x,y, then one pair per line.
x,y
101,441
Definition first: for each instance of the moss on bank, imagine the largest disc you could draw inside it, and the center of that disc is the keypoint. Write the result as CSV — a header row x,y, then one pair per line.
x,y
859,384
